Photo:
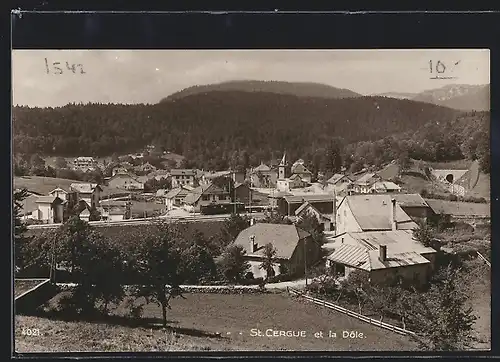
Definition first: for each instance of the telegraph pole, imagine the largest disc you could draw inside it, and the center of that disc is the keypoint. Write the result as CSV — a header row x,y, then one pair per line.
x,y
305,261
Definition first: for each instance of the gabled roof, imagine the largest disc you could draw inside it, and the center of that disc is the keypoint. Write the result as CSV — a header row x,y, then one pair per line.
x,y
261,168
124,174
300,169
48,200
336,178
361,250
178,191
410,200
385,185
194,195
373,212
85,212
295,176
283,237
459,208
60,189
366,178
85,188
239,184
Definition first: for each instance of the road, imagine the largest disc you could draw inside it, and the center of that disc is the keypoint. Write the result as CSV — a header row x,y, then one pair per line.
x,y
191,218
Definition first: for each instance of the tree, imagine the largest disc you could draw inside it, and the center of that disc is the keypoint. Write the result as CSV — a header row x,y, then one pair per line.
x,y
93,263
444,315
275,218
19,228
158,262
404,162
425,234
60,162
36,162
269,255
355,286
309,223
233,264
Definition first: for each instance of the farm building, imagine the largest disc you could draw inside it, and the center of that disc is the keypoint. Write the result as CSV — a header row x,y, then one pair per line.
x,y
205,195
175,196
386,256
263,176
88,192
295,249
287,204
49,210
125,181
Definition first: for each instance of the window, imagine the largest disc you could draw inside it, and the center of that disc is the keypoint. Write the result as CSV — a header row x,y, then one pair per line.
x,y
205,197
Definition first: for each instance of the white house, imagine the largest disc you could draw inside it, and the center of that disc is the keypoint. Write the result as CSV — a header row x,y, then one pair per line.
x,y
50,209
88,192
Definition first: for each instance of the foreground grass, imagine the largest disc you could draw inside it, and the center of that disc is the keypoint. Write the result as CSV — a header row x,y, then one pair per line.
x,y
217,322
23,285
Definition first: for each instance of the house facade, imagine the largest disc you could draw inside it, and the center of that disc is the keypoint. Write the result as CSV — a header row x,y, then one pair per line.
x,y
175,197
364,184
384,186
182,177
339,184
326,220
90,193
263,176
205,195
385,256
295,249
84,164
324,203
301,171
125,181
49,210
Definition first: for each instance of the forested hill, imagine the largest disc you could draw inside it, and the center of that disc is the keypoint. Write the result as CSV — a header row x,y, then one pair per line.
x,y
217,122
300,89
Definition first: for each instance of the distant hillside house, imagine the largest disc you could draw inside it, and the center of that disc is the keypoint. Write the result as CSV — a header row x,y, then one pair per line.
x,y
359,213
384,186
295,249
49,210
90,193
327,221
175,197
119,169
147,167
386,256
125,181
205,195
182,177
299,169
364,184
263,176
84,164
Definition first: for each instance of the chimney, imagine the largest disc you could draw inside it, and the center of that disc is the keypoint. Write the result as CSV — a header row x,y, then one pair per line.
x,y
394,225
253,246
383,252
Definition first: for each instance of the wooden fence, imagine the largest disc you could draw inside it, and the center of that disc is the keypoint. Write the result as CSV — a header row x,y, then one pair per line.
x,y
352,314
484,259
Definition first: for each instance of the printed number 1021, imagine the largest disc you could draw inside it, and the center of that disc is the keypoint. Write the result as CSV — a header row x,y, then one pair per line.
x,y
57,68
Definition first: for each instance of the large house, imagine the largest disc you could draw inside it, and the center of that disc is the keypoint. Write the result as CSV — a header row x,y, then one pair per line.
x,y
288,179
236,176
363,185
125,181
386,256
358,213
90,193
263,176
84,164
115,210
175,196
182,177
374,234
205,195
295,248
326,220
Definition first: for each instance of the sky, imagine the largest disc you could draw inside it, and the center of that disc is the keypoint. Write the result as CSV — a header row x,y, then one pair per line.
x,y
147,76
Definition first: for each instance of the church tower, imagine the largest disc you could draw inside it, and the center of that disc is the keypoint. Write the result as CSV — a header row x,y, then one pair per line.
x,y
283,169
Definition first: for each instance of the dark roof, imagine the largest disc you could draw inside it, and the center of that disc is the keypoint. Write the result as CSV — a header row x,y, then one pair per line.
x,y
410,200
295,199
283,237
300,169
48,199
194,195
459,208
261,168
336,178
178,191
183,172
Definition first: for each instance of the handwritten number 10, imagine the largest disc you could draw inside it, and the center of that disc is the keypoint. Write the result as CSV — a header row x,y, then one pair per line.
x,y
57,68
440,67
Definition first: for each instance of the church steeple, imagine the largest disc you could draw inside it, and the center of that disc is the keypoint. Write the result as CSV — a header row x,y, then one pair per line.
x,y
283,168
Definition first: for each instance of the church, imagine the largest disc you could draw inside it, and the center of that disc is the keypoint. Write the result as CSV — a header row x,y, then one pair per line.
x,y
292,177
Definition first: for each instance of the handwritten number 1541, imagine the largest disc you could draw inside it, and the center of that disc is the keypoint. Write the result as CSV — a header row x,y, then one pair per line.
x,y
58,68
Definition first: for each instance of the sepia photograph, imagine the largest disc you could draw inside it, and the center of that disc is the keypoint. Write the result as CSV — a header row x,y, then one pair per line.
x,y
251,200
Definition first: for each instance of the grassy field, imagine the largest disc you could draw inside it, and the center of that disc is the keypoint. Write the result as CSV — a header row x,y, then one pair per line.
x,y
200,318
43,185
